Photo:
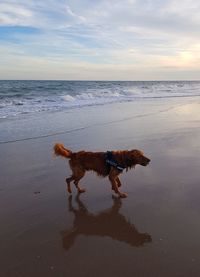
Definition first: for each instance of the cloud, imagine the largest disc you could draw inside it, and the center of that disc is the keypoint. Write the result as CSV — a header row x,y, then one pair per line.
x,y
129,36
12,14
78,17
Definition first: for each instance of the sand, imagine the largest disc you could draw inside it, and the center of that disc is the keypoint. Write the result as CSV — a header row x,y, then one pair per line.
x,y
153,232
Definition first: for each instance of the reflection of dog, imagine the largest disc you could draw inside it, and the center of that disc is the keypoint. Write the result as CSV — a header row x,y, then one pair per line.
x,y
108,223
82,161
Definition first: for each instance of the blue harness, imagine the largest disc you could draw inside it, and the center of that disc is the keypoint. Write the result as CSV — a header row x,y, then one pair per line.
x,y
110,160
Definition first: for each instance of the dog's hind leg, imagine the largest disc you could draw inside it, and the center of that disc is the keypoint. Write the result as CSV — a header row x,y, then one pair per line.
x,y
76,179
79,175
68,181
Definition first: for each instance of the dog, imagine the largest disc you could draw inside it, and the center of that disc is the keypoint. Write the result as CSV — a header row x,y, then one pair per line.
x,y
109,164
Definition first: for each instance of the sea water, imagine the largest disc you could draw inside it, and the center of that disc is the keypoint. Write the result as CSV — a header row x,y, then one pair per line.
x,y
38,109
28,97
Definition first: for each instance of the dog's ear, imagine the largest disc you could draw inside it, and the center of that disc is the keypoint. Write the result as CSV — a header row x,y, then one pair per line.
x,y
129,160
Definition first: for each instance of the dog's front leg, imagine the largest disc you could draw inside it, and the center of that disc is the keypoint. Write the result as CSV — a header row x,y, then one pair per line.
x,y
118,182
113,177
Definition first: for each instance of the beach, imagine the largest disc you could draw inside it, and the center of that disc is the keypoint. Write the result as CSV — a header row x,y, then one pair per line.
x,y
153,232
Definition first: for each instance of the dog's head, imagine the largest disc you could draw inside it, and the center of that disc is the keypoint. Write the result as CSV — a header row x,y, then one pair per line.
x,y
137,157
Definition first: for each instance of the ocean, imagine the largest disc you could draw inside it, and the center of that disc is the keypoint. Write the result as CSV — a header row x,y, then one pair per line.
x,y
28,97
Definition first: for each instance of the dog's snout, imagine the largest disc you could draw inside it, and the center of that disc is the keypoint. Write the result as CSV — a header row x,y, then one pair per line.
x,y
146,161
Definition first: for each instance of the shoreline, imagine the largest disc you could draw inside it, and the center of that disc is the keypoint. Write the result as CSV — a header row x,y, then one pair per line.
x,y
90,116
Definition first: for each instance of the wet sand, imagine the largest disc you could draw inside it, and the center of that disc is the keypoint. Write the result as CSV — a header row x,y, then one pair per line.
x,y
153,232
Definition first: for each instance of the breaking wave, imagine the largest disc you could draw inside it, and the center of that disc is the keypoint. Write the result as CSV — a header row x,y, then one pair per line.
x,y
25,97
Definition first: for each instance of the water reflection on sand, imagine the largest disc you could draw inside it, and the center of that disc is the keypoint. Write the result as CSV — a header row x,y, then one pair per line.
x,y
109,223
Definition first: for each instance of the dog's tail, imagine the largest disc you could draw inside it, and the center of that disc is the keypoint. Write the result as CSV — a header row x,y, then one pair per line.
x,y
60,150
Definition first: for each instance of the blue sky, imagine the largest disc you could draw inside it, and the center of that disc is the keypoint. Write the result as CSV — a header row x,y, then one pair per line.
x,y
100,40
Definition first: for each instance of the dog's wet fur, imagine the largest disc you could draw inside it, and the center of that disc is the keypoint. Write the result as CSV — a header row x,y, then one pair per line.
x,y
83,161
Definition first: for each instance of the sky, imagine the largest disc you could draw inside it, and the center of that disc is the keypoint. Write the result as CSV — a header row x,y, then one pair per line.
x,y
100,40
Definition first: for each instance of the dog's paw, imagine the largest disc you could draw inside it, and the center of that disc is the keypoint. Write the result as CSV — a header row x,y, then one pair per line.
x,y
82,190
123,195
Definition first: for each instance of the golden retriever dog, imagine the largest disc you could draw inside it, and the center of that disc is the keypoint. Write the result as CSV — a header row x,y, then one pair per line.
x,y
109,164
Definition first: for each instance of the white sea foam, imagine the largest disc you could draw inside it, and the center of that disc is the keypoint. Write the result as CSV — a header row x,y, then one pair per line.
x,y
68,98
38,96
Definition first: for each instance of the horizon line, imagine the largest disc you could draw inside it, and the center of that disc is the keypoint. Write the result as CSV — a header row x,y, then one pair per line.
x,y
88,80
